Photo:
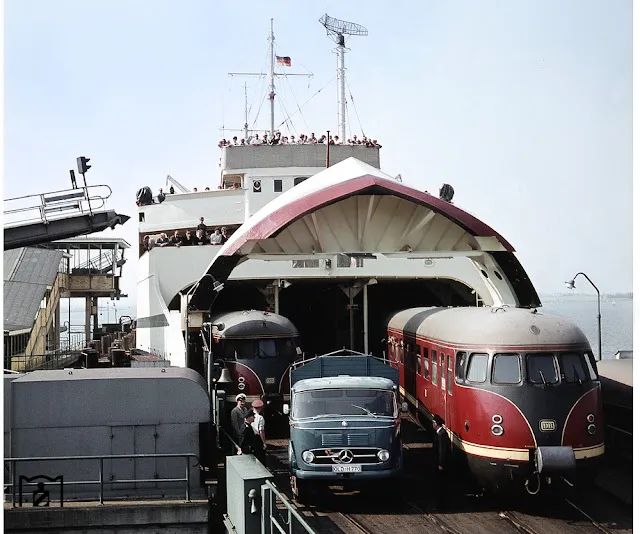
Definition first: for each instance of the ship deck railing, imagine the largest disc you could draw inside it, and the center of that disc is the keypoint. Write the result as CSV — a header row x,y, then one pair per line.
x,y
14,489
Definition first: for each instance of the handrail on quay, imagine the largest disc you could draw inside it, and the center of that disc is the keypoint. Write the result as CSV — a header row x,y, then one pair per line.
x,y
100,481
274,496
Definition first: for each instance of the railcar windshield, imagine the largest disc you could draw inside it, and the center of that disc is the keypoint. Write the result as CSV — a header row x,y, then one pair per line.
x,y
541,368
338,402
250,349
572,366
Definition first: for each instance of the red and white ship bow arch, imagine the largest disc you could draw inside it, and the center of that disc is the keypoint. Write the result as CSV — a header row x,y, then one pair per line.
x,y
352,207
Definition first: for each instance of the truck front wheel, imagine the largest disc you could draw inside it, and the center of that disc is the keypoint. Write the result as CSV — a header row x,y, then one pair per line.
x,y
300,490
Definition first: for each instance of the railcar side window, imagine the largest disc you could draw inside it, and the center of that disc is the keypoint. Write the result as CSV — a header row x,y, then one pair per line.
x,y
426,363
434,367
541,368
506,369
418,362
571,367
477,368
461,359
589,360
442,371
449,375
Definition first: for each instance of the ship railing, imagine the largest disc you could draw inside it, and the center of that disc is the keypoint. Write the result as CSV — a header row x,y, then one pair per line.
x,y
46,207
14,488
280,515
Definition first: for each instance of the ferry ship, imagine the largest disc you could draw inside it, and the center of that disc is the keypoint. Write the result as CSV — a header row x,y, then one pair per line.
x,y
320,234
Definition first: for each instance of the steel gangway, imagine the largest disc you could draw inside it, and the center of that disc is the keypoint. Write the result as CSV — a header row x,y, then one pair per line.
x,y
40,218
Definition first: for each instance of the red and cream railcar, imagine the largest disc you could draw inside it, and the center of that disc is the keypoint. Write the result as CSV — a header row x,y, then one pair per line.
x,y
518,390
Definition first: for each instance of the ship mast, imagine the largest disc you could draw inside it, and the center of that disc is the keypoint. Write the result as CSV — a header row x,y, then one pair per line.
x,y
337,29
272,75
272,86
342,93
246,113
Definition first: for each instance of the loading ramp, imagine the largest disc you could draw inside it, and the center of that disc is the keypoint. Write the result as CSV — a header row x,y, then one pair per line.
x,y
35,219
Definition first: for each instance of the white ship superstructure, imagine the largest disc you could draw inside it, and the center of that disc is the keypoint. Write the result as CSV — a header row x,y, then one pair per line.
x,y
337,250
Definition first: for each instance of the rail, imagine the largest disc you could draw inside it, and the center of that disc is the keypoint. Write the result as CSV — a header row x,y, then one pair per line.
x,y
100,481
272,515
45,207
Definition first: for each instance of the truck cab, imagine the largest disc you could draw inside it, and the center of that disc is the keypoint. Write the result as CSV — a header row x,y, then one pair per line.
x,y
344,421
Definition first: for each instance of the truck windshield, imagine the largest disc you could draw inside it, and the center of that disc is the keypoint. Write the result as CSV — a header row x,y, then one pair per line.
x,y
328,402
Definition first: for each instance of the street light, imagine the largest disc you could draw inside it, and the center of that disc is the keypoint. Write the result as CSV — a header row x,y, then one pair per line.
x,y
571,284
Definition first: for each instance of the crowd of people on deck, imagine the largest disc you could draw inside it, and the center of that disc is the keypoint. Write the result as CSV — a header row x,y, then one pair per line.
x,y
201,235
302,139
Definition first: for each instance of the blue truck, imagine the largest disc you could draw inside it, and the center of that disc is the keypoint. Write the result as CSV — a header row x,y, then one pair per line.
x,y
344,421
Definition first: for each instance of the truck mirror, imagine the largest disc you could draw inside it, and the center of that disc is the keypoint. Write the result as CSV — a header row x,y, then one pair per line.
x,y
405,407
285,409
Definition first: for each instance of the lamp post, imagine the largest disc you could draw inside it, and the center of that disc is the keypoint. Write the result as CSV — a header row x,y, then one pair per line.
x,y
571,284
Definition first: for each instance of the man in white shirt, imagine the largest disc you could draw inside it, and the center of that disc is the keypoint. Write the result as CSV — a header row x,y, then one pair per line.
x,y
216,237
258,422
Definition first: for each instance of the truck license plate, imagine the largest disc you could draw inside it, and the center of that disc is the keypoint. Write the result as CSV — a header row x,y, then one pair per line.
x,y
350,468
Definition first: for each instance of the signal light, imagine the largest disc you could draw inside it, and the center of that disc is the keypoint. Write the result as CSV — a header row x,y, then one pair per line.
x,y
591,418
83,164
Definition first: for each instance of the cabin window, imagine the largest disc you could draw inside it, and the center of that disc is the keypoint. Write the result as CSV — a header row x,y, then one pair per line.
x,y
401,352
434,367
477,368
571,367
461,359
591,365
541,368
449,375
442,371
506,369
277,186
426,363
299,180
418,362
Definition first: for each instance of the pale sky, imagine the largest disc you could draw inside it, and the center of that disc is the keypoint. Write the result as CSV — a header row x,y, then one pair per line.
x,y
524,107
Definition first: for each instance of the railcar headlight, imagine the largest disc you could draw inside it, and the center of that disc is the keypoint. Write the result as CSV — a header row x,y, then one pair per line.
x,y
591,429
497,430
383,455
308,456
591,418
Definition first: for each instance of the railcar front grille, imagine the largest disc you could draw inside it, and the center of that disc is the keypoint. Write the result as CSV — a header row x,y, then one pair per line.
x,y
361,455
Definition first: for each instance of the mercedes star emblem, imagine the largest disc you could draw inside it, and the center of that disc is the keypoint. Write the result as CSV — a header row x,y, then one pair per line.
x,y
345,456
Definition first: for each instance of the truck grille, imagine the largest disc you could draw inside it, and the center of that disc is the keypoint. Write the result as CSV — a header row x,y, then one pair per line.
x,y
352,440
331,440
361,455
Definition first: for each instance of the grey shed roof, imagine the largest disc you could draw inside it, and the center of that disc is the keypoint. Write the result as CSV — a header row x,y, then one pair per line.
x,y
27,273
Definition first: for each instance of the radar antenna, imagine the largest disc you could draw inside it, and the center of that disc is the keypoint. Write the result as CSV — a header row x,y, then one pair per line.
x,y
337,29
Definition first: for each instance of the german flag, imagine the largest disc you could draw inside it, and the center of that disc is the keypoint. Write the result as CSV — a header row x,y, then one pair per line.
x,y
285,61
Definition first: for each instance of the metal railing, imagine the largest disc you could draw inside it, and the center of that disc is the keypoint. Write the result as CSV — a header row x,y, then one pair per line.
x,y
100,481
37,362
278,519
45,207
